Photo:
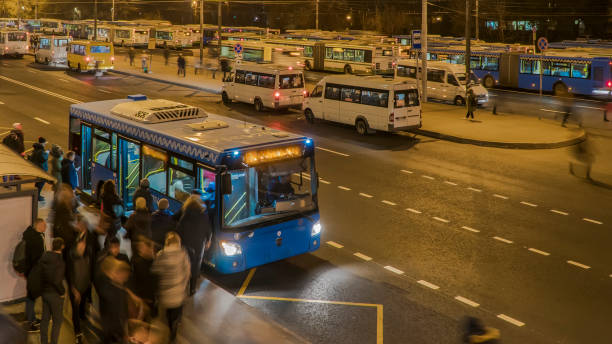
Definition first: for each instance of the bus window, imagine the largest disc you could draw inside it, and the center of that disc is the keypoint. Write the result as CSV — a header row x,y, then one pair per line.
x,y
307,51
351,95
317,92
329,53
101,148
338,54
360,56
181,184
129,168
475,62
525,67
375,98
560,69
206,184
17,36
250,79
122,33
44,43
291,81
253,54
406,98
332,92
536,67
266,80
100,49
490,63
240,76
406,71
60,42
580,70
349,54
154,168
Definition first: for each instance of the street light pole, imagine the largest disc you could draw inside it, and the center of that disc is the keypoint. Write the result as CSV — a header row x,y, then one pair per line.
x,y
317,15
468,42
201,32
423,51
95,37
477,27
219,24
113,12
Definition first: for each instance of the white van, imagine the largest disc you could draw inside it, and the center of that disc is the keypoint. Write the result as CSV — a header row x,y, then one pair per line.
x,y
445,81
264,86
14,42
52,50
369,103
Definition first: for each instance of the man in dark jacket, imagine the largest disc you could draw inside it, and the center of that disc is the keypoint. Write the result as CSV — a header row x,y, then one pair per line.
x,y
34,238
69,173
53,272
144,192
40,158
161,223
14,141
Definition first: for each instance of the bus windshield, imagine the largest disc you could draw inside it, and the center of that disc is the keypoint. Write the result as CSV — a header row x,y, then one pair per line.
x,y
100,49
17,36
267,192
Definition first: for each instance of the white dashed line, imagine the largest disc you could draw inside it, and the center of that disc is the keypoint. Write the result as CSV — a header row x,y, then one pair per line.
x,y
64,80
440,219
511,320
406,171
413,210
31,71
41,120
388,202
558,212
1,103
344,188
428,285
103,90
539,252
428,177
467,301
450,183
394,270
362,256
529,204
365,195
589,107
503,240
580,265
500,196
474,189
592,221
470,229
324,181
334,244
547,110
332,151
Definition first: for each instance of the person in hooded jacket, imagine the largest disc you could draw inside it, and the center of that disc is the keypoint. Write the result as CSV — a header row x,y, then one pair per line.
x,y
138,225
40,158
145,192
34,237
110,199
69,173
195,231
113,300
56,155
63,216
161,222
142,281
53,272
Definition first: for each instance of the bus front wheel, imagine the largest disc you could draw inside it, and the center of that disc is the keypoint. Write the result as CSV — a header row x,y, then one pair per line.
x,y
361,126
459,100
225,98
309,116
488,81
560,89
258,105
348,69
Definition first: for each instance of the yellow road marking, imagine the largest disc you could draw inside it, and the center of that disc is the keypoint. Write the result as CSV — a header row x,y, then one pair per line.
x,y
246,282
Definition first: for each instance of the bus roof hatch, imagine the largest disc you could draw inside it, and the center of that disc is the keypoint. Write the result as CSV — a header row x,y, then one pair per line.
x,y
157,111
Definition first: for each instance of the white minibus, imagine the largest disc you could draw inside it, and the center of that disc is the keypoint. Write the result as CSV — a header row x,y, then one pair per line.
x,y
264,86
369,103
175,37
14,42
353,57
131,36
445,81
52,50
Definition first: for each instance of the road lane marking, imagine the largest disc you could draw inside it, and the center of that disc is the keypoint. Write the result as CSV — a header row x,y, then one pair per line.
x,y
388,202
334,244
64,80
500,196
53,94
511,320
534,250
559,212
394,270
344,188
1,103
590,107
580,265
503,240
428,177
332,151
529,204
470,229
592,221
103,90
440,219
428,285
324,181
365,195
41,120
406,171
246,282
474,189
450,183
31,71
362,256
556,111
467,301
413,210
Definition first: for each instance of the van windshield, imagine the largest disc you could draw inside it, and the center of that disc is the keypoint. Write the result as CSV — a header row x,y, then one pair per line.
x,y
99,49
461,78
291,81
406,98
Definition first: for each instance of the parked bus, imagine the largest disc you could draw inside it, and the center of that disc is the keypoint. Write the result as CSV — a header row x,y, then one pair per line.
x,y
251,51
445,81
350,58
264,86
14,43
175,37
369,103
51,26
104,32
131,36
259,184
90,56
52,50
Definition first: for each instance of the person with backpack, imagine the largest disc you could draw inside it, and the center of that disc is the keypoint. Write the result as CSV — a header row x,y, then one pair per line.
x,y
40,158
53,272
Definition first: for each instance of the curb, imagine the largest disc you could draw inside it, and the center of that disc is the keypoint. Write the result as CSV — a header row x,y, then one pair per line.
x,y
199,88
512,145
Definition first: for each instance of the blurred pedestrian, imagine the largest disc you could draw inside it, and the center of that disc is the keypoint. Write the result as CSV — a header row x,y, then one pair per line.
x,y
180,61
10,331
476,332
195,230
34,237
69,173
142,281
144,191
471,104
138,225
40,158
166,54
131,55
53,272
14,141
172,267
225,67
112,247
113,300
607,109
63,217
161,222
56,155
112,209
568,109
584,154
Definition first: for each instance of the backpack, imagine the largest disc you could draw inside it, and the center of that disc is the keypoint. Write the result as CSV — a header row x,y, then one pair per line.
x,y
20,263
11,141
35,281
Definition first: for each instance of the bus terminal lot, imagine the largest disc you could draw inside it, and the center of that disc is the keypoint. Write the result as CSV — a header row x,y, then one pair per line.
x,y
417,232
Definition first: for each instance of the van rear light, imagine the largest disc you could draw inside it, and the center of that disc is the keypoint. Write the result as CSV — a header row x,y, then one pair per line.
x,y
391,117
609,83
276,95
87,58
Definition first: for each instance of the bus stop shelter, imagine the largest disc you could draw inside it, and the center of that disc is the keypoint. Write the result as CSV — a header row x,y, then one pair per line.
x,y
18,210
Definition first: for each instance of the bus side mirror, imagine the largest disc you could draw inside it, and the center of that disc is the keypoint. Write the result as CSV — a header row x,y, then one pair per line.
x,y
226,183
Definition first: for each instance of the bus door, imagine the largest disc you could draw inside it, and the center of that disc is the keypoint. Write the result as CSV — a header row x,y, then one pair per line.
x,y
102,164
85,175
129,170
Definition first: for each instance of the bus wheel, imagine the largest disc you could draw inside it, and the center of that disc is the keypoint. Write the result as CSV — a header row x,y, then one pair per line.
x,y
348,69
459,100
258,105
309,116
560,89
488,82
361,126
225,98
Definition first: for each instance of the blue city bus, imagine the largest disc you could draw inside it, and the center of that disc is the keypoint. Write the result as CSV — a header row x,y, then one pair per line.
x,y
259,184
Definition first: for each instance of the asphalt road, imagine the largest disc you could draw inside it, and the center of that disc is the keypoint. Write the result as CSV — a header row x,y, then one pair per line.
x,y
418,233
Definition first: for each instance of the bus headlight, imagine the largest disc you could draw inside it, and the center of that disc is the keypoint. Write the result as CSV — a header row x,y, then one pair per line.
x,y
231,248
316,229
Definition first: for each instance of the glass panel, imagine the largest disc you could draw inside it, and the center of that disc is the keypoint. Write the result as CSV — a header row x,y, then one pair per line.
x,y
490,63
44,43
452,80
317,92
332,92
580,70
253,54
351,95
86,158
349,54
240,75
114,152
61,42
17,37
181,184
307,51
329,53
338,54
251,79
291,81
266,80
206,184
475,62
560,68
129,166
406,98
102,133
100,49
101,152
406,71
154,168
526,67
375,98
181,163
359,55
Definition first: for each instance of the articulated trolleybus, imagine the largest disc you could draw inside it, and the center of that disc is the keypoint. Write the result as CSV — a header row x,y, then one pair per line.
x,y
260,184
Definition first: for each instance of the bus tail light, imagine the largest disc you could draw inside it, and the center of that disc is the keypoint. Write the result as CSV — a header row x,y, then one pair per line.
x,y
276,95
609,83
391,117
87,58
